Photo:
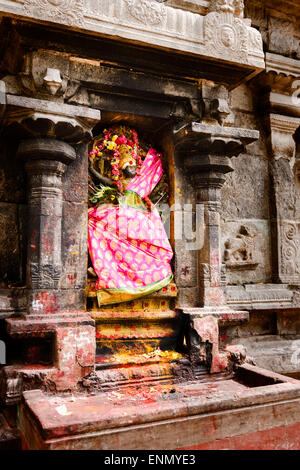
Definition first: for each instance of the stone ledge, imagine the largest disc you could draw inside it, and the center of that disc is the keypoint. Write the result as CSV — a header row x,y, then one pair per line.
x,y
260,297
224,315
35,325
53,108
280,64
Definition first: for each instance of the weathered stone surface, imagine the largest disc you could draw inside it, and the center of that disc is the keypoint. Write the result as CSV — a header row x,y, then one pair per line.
x,y
12,177
288,323
197,414
277,22
246,120
51,301
9,243
273,352
12,301
75,179
261,323
187,296
246,190
241,99
76,357
74,246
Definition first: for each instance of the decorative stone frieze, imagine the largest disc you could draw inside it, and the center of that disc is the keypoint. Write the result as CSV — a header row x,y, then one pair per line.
x,y
260,297
222,33
68,12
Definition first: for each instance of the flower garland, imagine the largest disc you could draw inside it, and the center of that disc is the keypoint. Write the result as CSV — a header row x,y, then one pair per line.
x,y
111,145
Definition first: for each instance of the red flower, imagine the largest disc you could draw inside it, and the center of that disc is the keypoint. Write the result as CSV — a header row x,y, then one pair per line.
x,y
130,143
134,136
121,140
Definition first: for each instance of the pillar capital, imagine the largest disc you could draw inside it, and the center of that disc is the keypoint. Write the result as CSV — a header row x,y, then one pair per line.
x,y
36,151
196,140
29,118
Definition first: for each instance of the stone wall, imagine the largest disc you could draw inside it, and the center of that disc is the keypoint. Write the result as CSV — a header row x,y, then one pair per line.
x,y
246,201
12,216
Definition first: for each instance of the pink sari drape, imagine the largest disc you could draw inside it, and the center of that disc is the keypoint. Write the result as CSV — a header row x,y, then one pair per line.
x,y
128,245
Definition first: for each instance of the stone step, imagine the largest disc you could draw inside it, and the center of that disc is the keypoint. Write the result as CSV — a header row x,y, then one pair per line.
x,y
169,291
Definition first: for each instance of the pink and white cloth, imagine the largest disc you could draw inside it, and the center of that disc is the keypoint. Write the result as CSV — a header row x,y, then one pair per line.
x,y
129,248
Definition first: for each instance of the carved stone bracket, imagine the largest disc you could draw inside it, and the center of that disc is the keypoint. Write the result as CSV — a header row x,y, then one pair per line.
x,y
30,117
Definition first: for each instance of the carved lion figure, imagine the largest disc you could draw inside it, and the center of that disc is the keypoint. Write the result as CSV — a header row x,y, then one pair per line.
x,y
241,248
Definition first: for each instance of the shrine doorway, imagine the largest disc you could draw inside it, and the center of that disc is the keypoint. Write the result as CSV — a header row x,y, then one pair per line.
x,y
143,337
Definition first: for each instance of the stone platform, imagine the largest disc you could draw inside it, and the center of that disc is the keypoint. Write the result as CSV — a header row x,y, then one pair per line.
x,y
255,409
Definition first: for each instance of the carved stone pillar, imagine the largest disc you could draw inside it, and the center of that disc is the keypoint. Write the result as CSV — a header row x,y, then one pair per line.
x,y
47,132
206,150
53,136
280,106
46,162
285,228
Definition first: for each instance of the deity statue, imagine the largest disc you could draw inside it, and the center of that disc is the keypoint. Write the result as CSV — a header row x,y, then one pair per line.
x,y
128,245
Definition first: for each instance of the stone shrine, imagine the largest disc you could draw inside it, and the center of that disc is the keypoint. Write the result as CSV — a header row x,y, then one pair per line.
x,y
211,359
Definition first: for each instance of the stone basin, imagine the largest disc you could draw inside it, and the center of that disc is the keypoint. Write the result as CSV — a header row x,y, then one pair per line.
x,y
255,409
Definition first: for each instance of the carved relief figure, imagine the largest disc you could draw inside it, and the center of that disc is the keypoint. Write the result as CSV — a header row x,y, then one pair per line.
x,y
128,246
68,12
147,11
240,250
229,6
